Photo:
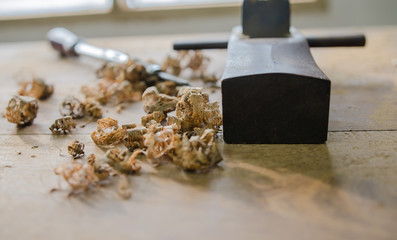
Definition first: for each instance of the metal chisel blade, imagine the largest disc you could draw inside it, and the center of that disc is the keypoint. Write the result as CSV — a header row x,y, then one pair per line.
x,y
169,77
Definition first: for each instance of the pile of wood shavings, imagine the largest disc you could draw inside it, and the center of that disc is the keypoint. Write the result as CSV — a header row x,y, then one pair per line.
x,y
185,137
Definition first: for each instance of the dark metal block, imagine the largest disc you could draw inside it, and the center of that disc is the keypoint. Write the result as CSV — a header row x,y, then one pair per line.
x,y
273,92
270,18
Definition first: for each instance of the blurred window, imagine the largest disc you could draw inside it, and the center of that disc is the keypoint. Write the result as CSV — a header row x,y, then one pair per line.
x,y
17,9
161,4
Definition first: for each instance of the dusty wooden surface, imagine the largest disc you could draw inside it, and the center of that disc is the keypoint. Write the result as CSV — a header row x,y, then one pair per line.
x,y
344,189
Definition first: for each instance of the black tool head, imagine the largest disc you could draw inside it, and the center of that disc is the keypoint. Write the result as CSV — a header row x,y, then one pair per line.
x,y
262,19
273,92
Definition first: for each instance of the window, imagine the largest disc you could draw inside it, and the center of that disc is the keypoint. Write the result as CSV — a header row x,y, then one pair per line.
x,y
17,9
161,4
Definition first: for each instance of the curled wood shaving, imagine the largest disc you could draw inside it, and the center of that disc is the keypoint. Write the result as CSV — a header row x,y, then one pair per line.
x,y
128,126
119,161
174,120
76,149
195,61
80,177
92,108
73,107
156,116
134,138
36,88
63,125
120,83
22,110
111,71
108,132
123,187
154,101
172,65
194,111
167,87
160,141
198,152
135,72
103,170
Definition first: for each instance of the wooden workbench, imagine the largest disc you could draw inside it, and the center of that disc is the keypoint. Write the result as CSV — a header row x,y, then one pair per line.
x,y
344,189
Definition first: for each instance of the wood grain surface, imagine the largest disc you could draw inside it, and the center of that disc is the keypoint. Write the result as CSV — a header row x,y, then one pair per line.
x,y
344,189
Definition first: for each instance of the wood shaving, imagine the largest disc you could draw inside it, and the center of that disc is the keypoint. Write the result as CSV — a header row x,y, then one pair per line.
x,y
172,65
92,108
36,88
22,110
102,171
63,125
134,138
198,152
128,126
194,111
111,71
210,78
187,139
196,60
160,141
76,149
135,72
73,107
154,116
173,120
80,177
118,160
108,132
154,101
192,60
167,87
120,83
123,187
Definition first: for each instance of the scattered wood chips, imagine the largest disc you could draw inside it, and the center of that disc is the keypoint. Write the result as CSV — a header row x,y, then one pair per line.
x,y
180,126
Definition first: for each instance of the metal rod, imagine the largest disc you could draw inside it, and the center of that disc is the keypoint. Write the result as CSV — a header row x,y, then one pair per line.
x,y
357,40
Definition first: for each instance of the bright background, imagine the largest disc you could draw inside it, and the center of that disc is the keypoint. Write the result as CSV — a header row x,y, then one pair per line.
x,y
25,20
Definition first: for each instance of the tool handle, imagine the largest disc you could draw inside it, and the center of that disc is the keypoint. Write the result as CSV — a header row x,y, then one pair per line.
x,y
194,45
357,40
63,41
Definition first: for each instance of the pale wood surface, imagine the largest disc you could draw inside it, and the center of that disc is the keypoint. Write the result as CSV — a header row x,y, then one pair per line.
x,y
344,189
